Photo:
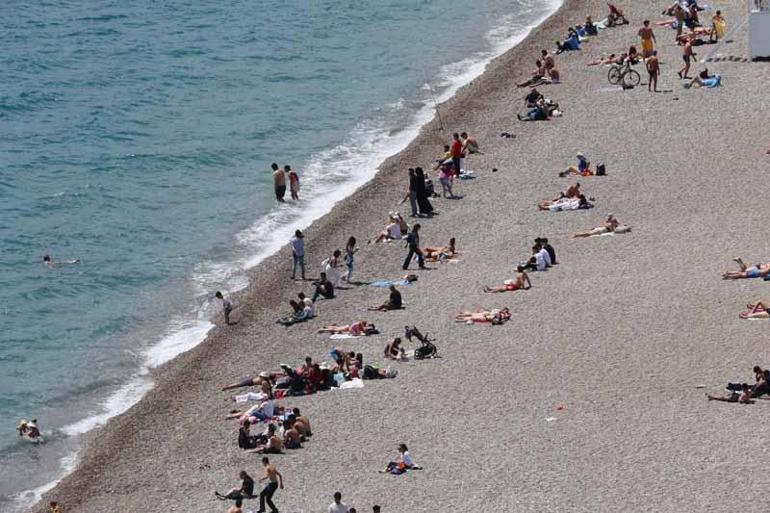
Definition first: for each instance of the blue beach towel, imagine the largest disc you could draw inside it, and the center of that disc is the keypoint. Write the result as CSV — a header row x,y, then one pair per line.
x,y
383,284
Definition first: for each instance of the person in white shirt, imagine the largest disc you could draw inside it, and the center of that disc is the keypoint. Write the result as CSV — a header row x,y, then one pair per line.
x,y
298,254
338,506
392,231
545,256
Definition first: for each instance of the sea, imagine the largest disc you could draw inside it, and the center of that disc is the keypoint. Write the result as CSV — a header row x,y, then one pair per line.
x,y
137,137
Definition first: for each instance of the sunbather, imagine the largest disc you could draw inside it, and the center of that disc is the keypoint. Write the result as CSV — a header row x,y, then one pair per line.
x,y
262,411
394,302
521,282
392,231
434,254
274,443
583,167
612,59
538,76
402,464
394,351
356,329
755,271
759,310
611,225
494,316
560,204
744,397
264,381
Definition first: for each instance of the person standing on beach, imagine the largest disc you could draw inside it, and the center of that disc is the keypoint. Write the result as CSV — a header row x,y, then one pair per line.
x,y
423,203
227,306
274,481
293,182
457,152
687,55
279,181
648,39
350,250
338,506
413,242
412,194
298,254
653,69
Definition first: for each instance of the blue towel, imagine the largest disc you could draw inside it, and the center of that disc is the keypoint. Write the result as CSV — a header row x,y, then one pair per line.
x,y
383,284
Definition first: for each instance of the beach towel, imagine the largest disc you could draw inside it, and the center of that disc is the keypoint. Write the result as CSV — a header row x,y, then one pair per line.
x,y
353,383
250,396
343,336
384,284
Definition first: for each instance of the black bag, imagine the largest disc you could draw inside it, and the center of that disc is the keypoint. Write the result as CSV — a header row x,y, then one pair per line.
x,y
600,169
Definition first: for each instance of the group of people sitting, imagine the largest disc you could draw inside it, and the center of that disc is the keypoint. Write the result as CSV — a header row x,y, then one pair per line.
x,y
545,72
743,392
571,199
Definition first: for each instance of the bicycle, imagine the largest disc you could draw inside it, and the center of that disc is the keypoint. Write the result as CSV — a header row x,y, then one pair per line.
x,y
624,73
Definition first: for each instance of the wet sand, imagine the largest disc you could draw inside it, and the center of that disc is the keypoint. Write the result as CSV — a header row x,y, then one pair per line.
x,y
586,400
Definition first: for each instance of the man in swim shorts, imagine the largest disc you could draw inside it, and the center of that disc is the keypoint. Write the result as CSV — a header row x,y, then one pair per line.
x,y
279,181
648,39
653,69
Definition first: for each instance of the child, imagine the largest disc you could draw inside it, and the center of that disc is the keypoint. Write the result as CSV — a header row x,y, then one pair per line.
x,y
293,182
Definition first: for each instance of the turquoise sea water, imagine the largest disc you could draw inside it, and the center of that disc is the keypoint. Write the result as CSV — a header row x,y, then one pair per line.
x,y
137,136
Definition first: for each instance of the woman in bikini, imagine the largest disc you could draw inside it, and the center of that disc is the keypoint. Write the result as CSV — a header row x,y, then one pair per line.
x,y
357,328
484,316
759,310
611,225
444,252
521,282
755,271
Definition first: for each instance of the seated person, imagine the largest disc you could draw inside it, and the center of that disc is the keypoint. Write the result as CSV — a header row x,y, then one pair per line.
x,y
470,146
537,75
703,79
743,398
274,444
571,43
246,491
590,27
521,282
394,302
392,231
302,419
394,351
494,316
262,411
323,288
291,436
561,204
434,254
632,57
554,76
540,259
611,225
615,16
533,98
583,167
540,112
356,329
756,311
755,271
298,306
245,439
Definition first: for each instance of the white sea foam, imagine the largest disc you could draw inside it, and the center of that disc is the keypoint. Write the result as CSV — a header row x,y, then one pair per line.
x,y
327,178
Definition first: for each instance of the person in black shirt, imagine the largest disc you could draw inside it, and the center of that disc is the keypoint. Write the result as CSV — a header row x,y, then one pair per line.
x,y
246,491
245,440
413,242
394,302
324,288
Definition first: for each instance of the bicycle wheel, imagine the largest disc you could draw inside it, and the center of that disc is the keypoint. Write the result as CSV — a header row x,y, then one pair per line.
x,y
631,78
613,75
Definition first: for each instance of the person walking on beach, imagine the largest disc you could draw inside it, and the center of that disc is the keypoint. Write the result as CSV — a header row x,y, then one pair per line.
x,y
687,55
338,506
350,250
227,306
298,254
413,243
274,481
653,69
648,39
279,181
457,152
293,182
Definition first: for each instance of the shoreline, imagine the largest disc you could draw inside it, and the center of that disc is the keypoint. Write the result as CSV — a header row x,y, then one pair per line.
x,y
186,386
157,356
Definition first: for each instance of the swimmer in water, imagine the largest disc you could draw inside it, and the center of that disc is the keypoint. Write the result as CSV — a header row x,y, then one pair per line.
x,y
48,261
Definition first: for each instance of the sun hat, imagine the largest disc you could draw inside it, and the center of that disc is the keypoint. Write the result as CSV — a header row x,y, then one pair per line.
x,y
580,155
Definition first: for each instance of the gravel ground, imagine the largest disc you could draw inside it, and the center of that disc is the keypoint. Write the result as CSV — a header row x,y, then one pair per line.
x,y
611,344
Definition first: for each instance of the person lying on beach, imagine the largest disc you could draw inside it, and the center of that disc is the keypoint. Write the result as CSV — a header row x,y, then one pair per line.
x,y
246,490
758,310
744,397
394,351
755,271
392,231
611,225
521,282
538,74
274,443
323,288
761,383
403,463
540,112
612,59
49,262
583,167
357,329
374,371
264,381
579,203
260,412
495,316
434,254
394,302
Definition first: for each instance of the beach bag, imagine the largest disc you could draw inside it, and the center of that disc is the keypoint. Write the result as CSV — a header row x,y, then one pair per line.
x,y
600,169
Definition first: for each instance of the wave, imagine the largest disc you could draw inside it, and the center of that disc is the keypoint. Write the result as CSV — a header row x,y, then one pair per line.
x,y
329,176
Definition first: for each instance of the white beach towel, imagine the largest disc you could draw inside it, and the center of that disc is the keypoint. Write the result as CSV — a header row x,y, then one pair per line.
x,y
343,336
353,383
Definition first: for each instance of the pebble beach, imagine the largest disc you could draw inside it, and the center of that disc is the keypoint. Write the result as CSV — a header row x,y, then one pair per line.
x,y
591,398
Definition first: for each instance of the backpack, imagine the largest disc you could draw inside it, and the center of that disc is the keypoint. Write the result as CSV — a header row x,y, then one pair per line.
x,y
600,169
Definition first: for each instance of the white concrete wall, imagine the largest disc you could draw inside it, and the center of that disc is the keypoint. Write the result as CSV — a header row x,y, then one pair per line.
x,y
759,33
